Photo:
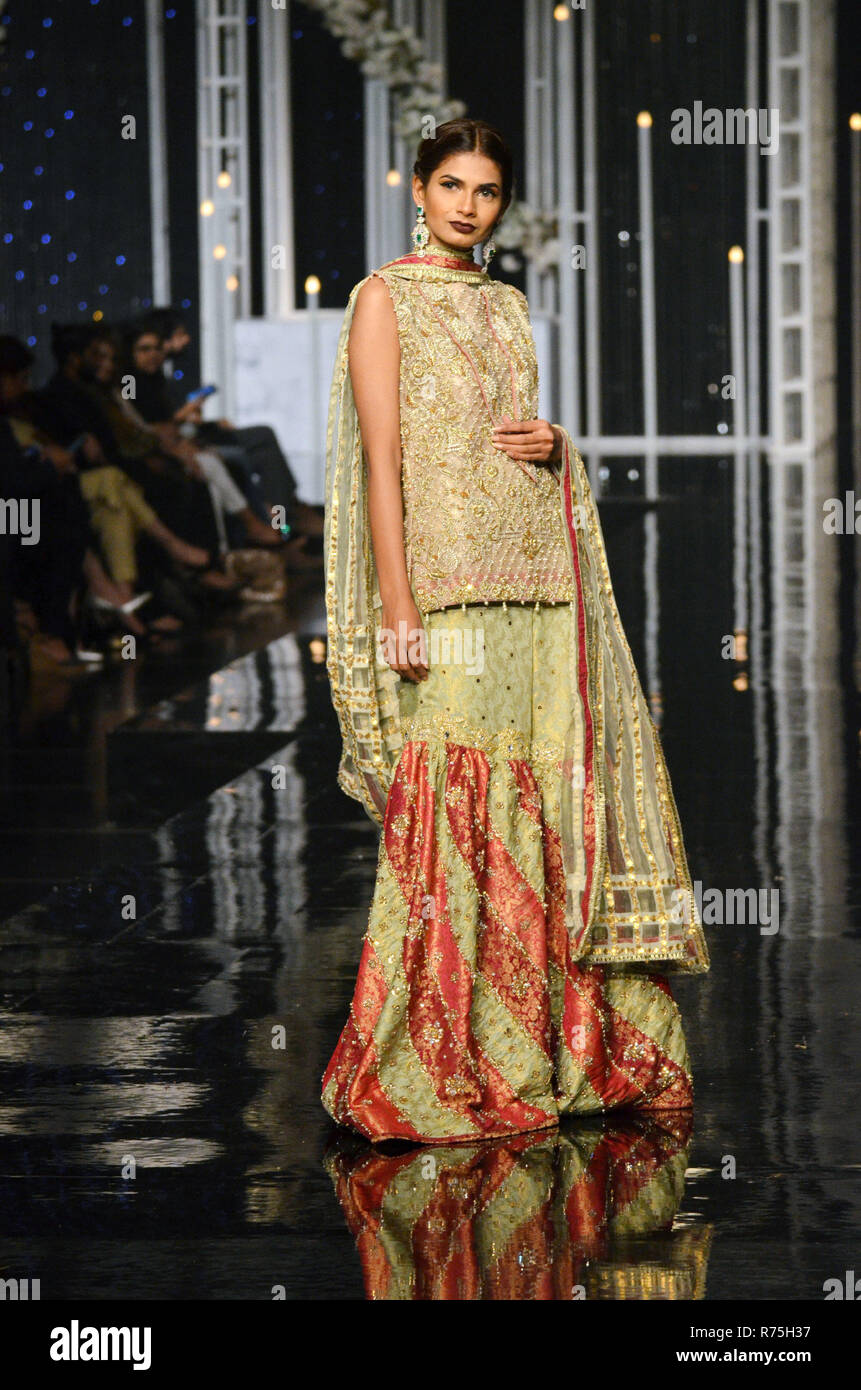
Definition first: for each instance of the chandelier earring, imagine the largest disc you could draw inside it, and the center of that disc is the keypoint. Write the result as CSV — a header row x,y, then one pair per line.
x,y
489,251
420,234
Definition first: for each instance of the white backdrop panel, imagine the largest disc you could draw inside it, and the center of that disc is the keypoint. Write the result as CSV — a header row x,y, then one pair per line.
x,y
283,376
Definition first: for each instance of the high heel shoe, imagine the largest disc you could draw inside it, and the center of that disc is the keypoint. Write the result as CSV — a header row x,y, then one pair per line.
x,y
105,606
101,621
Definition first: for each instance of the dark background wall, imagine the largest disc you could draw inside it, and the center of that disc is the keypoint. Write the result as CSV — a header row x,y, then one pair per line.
x,y
74,202
73,193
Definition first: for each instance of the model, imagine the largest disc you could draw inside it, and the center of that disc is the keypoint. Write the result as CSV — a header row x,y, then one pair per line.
x,y
532,888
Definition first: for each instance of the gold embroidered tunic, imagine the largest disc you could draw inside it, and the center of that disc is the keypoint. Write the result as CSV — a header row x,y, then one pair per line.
x,y
477,524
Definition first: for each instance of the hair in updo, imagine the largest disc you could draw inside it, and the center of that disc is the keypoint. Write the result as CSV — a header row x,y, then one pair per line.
x,y
465,136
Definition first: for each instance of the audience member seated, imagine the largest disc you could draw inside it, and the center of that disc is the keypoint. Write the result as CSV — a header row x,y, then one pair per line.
x,y
118,512
143,351
125,490
256,445
51,558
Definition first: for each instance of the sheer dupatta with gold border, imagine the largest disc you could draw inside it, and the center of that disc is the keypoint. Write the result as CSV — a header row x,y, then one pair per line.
x,y
629,897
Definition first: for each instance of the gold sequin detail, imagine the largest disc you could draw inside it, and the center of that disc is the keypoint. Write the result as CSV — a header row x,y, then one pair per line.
x,y
475,525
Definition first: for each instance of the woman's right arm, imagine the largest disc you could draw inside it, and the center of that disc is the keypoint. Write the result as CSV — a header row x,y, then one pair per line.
x,y
374,359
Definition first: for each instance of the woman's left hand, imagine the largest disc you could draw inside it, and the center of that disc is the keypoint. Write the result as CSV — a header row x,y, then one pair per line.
x,y
536,441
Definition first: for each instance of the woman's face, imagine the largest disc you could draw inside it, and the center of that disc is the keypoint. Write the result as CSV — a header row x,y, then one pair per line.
x,y
148,353
462,200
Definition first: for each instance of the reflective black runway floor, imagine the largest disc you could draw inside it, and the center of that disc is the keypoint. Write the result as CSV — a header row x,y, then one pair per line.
x,y
180,944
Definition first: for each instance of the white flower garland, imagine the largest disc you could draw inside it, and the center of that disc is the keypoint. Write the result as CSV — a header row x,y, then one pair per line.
x,y
393,55
396,56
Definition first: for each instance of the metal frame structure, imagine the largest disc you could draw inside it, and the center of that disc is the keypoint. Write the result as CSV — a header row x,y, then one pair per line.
x,y
789,271
559,100
276,159
561,178
222,143
157,118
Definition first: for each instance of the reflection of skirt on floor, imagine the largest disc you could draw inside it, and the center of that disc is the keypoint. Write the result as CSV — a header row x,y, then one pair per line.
x,y
461,1025
583,1212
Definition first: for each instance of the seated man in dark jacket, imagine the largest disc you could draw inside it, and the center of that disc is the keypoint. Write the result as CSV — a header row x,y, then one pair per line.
x,y
257,445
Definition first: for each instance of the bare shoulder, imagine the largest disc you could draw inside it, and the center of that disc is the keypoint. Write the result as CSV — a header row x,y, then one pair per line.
x,y
374,318
375,296
374,340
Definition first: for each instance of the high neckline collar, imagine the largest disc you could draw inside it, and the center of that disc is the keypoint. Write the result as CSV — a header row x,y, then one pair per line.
x,y
453,262
459,253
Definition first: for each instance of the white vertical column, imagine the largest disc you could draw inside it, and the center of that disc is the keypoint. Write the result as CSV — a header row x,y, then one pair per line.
x,y
753,214
539,134
738,364
376,165
855,243
234,80
223,181
433,29
157,111
592,227
403,14
276,159
207,125
790,309
569,285
399,201
647,299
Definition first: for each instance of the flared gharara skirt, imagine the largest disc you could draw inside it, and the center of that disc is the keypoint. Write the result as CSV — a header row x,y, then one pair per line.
x,y
469,1018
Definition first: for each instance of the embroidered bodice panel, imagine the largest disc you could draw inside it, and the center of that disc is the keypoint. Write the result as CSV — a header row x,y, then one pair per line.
x,y
477,524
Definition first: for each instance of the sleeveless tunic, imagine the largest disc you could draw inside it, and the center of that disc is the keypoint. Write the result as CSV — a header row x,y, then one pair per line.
x,y
478,525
